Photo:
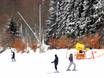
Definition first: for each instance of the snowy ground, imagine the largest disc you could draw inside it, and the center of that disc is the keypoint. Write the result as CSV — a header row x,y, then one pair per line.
x,y
35,65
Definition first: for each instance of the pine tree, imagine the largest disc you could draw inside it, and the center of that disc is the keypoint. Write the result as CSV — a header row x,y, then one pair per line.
x,y
75,18
55,18
13,29
10,33
51,22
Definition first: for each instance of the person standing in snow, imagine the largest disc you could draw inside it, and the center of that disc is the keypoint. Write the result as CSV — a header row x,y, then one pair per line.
x,y
71,63
13,56
55,62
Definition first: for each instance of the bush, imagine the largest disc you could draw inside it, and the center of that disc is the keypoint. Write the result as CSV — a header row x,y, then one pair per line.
x,y
62,42
91,41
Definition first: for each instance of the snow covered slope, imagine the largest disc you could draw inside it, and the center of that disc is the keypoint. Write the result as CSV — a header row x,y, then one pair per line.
x,y
35,65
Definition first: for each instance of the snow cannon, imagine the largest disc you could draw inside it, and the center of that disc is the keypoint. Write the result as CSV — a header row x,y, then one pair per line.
x,y
81,55
79,46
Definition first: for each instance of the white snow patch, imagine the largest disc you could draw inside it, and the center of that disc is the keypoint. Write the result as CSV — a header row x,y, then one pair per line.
x,y
35,65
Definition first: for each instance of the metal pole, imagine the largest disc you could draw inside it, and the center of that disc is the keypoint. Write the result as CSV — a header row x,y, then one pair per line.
x,y
40,27
29,28
21,30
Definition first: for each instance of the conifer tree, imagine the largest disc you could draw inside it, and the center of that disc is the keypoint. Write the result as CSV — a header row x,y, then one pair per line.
x,y
12,27
10,33
75,18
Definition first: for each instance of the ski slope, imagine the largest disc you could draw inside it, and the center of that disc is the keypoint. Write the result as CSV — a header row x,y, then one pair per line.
x,y
35,65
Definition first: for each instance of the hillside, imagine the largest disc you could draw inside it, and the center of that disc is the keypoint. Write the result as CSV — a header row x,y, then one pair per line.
x,y
39,65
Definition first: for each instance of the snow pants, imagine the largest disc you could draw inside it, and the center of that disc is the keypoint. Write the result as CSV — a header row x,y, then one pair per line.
x,y
71,63
55,66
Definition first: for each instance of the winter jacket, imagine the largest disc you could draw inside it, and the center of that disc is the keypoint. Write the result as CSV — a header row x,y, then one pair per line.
x,y
13,55
55,60
71,58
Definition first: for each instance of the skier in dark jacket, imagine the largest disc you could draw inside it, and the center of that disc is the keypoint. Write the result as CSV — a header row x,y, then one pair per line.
x,y
13,56
71,63
55,62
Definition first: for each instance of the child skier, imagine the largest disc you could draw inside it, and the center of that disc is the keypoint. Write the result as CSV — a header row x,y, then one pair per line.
x,y
71,63
13,56
55,62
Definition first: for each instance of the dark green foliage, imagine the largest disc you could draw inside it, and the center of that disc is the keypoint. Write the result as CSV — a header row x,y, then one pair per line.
x,y
13,27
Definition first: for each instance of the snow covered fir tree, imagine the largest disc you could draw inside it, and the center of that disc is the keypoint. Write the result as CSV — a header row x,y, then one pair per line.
x,y
76,19
11,33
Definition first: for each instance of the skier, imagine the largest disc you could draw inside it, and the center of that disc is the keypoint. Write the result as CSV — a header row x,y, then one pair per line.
x,y
71,63
13,56
55,62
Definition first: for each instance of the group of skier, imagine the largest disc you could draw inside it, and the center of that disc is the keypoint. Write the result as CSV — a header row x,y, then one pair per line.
x,y
56,60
